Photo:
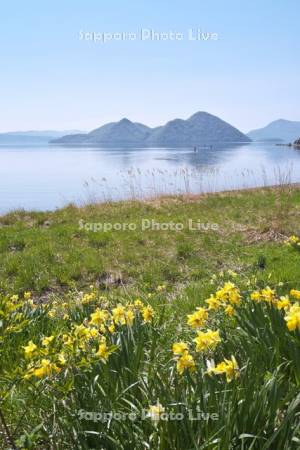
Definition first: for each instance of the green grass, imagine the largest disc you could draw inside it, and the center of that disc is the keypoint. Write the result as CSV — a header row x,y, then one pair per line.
x,y
48,252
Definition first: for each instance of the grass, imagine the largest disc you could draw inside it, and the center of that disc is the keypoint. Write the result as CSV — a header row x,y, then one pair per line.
x,y
71,272
48,252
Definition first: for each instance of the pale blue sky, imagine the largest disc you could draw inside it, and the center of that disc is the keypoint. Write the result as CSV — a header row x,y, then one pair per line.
x,y
52,80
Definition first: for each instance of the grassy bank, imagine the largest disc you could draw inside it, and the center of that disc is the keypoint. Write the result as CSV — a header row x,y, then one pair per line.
x,y
52,252
178,321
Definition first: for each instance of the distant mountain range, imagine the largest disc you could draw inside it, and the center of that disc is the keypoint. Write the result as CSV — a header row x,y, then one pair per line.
x,y
30,137
278,131
200,128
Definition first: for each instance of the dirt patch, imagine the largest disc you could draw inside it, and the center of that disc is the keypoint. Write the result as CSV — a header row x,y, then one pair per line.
x,y
255,236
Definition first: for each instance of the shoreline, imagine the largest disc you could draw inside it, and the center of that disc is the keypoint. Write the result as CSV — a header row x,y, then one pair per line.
x,y
188,197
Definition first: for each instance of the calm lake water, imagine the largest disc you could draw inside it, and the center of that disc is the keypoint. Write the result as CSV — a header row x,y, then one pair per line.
x,y
47,177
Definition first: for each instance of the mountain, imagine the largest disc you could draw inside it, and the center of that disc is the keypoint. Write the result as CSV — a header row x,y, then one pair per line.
x,y
122,132
125,131
30,137
278,131
199,128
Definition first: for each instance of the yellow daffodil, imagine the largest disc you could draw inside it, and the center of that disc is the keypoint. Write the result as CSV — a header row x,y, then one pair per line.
x,y
88,298
138,304
229,367
147,313
234,297
99,317
93,332
292,240
207,340
268,294
129,316
179,348
186,361
62,358
68,340
102,329
283,303
292,317
229,310
112,328
229,293
213,302
119,315
47,340
198,318
82,332
46,369
30,349
296,294
103,351
255,296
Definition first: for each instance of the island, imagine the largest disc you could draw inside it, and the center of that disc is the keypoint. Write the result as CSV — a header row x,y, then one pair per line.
x,y
200,128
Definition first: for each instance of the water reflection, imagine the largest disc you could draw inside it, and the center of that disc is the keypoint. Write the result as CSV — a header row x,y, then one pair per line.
x,y
45,177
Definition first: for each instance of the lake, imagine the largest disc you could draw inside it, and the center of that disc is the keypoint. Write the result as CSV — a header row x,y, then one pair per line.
x,y
44,177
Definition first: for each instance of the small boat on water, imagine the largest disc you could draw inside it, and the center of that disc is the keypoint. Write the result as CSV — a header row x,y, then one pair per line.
x,y
202,147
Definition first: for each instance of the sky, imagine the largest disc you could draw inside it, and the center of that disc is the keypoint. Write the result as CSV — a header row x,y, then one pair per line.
x,y
53,78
